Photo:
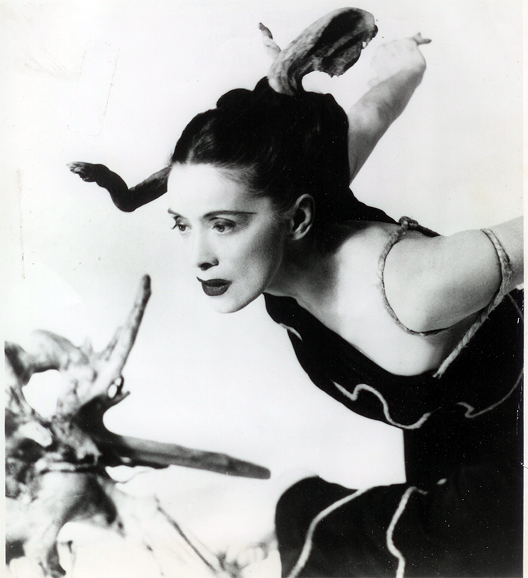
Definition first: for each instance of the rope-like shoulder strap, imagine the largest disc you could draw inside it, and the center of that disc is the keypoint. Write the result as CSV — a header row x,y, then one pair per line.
x,y
406,224
506,273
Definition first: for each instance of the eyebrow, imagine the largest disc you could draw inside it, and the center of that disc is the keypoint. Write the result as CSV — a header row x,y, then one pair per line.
x,y
213,214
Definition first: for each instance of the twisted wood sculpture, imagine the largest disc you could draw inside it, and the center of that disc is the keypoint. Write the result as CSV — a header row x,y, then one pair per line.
x,y
55,468
332,45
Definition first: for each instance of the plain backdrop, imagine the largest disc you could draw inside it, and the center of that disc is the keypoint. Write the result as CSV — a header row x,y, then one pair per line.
x,y
115,82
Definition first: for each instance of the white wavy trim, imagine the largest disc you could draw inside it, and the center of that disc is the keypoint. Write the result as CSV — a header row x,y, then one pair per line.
x,y
291,330
307,547
469,413
400,572
364,387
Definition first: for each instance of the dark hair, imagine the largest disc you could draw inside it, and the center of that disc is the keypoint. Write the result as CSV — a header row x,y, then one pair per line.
x,y
285,146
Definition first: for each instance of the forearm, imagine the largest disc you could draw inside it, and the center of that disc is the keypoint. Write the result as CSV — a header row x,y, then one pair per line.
x,y
149,189
400,67
390,97
375,111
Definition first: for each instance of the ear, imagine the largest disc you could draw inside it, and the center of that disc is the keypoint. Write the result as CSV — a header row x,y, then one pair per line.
x,y
302,217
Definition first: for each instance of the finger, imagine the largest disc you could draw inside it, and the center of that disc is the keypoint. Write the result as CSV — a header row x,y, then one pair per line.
x,y
76,167
420,40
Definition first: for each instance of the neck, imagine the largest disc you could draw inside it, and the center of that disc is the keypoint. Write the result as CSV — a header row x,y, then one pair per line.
x,y
308,272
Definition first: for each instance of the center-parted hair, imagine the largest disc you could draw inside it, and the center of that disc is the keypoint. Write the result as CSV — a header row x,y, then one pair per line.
x,y
283,146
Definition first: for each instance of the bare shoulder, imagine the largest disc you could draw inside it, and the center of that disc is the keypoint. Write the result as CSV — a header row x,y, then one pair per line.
x,y
435,282
358,257
358,263
367,239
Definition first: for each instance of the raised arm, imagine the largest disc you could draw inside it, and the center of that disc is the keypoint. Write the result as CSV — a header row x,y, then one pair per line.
x,y
433,283
400,67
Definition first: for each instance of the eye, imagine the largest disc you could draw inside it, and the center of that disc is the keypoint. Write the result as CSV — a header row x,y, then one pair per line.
x,y
180,225
223,226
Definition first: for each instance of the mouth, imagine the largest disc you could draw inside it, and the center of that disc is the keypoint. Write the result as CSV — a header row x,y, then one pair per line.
x,y
214,287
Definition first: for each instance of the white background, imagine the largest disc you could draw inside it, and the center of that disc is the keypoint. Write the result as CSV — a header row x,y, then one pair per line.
x,y
115,82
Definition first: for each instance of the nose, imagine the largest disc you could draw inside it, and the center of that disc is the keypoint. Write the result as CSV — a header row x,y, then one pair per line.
x,y
203,255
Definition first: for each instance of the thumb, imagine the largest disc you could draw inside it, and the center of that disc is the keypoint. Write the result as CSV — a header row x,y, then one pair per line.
x,y
420,40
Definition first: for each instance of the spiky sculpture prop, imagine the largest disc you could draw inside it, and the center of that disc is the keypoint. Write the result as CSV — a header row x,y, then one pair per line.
x,y
56,467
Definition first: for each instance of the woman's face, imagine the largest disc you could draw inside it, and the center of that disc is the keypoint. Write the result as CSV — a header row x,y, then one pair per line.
x,y
233,239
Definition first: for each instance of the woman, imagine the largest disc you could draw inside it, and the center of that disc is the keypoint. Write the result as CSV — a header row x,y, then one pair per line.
x,y
394,321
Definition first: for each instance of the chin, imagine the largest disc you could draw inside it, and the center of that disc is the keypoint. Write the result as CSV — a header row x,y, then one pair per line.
x,y
226,305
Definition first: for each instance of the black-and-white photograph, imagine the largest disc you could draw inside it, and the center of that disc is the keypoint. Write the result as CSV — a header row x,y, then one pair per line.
x,y
262,288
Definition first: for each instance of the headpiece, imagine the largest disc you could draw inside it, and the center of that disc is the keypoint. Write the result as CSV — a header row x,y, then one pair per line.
x,y
332,45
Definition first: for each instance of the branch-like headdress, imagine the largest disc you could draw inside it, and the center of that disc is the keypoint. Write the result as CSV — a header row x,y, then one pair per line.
x,y
332,45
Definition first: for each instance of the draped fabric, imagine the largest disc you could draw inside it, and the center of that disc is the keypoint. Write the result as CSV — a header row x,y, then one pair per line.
x,y
460,511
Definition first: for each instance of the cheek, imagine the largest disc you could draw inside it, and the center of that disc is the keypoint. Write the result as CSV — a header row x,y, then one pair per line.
x,y
264,255
183,249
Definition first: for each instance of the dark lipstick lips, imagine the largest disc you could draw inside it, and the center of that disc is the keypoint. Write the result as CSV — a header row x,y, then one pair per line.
x,y
215,287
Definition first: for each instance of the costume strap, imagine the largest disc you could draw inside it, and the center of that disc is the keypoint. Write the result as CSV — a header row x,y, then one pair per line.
x,y
506,273
406,224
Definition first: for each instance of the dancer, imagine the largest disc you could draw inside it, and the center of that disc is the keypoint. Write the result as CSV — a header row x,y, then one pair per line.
x,y
396,322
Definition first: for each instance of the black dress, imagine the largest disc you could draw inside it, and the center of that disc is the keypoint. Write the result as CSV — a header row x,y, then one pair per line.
x,y
460,511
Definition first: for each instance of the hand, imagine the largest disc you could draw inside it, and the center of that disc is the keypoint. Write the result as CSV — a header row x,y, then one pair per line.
x,y
87,171
105,178
124,198
398,56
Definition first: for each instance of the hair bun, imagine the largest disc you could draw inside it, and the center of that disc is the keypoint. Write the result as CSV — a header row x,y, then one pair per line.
x,y
261,97
235,99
